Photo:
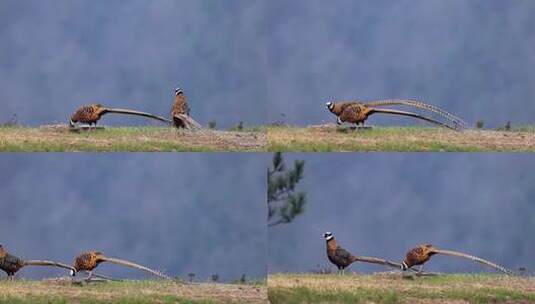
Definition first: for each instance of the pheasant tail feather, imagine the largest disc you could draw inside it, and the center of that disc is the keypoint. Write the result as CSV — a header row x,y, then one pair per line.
x,y
137,113
136,266
473,258
458,122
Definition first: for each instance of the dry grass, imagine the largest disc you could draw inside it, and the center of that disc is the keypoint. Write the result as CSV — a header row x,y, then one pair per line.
x,y
323,138
328,138
63,291
392,288
59,138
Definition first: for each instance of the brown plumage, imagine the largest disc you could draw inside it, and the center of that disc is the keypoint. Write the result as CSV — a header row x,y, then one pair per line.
x,y
12,264
422,253
180,112
358,112
91,114
342,258
88,261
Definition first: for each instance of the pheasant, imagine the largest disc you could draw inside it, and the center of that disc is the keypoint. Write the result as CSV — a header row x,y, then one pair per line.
x,y
358,112
180,112
342,258
91,114
88,261
422,253
12,264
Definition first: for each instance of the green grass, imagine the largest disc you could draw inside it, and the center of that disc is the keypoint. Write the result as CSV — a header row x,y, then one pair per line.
x,y
121,300
62,291
524,128
386,146
398,139
248,129
381,295
308,295
130,139
266,138
391,288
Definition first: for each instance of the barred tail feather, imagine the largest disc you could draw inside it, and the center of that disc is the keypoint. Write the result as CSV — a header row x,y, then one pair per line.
x,y
136,266
48,263
473,258
403,113
188,122
373,260
417,104
137,113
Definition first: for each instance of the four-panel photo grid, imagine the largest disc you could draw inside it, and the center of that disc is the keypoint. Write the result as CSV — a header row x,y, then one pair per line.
x,y
267,151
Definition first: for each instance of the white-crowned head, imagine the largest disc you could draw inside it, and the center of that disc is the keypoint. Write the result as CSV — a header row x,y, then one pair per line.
x,y
330,105
178,91
328,236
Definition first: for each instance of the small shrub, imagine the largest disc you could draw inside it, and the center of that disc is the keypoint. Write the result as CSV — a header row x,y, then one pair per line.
x,y
10,123
239,127
506,127
480,124
280,122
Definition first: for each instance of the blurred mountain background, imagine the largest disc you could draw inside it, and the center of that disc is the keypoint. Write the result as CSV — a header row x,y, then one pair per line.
x,y
472,58
58,55
266,61
179,213
383,204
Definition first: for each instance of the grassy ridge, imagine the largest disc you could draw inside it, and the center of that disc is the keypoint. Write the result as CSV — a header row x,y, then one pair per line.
x,y
329,138
62,291
391,288
132,139
261,139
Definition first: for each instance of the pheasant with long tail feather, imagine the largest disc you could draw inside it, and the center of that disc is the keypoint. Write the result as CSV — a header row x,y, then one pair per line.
x,y
88,261
91,114
357,112
423,253
12,264
343,258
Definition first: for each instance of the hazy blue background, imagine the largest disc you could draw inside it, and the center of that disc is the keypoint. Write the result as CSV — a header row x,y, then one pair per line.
x,y
58,55
473,58
384,204
179,213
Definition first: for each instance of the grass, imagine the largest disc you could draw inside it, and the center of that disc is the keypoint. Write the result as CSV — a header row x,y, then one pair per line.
x,y
62,291
392,288
329,138
325,138
131,139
